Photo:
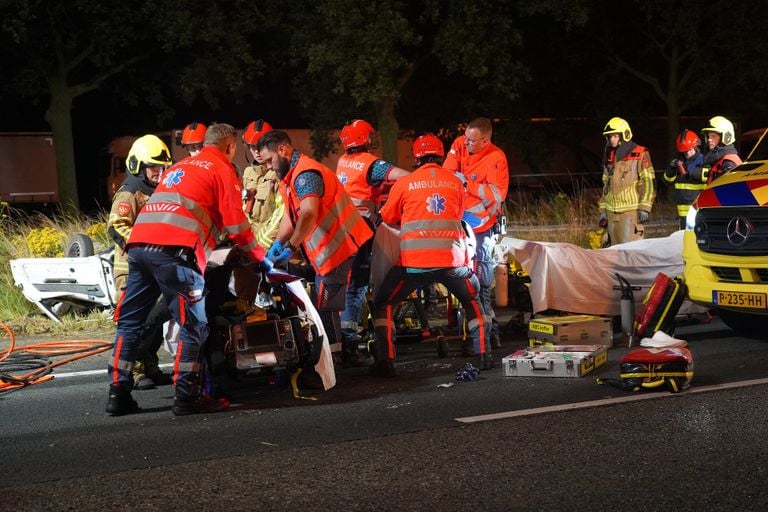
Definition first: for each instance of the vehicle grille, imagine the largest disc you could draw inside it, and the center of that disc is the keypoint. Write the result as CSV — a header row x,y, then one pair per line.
x,y
727,274
712,231
733,275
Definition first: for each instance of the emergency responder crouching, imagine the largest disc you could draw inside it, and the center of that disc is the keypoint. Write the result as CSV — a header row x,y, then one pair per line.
x,y
167,252
629,186
428,206
146,161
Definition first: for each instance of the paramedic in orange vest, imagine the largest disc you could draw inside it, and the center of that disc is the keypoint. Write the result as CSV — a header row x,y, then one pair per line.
x,y
192,138
629,184
322,220
483,166
363,176
721,156
196,201
427,206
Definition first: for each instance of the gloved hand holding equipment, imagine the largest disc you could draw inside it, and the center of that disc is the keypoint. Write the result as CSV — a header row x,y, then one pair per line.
x,y
285,254
274,250
642,216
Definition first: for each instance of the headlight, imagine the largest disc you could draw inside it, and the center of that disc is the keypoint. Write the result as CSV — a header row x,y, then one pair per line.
x,y
690,218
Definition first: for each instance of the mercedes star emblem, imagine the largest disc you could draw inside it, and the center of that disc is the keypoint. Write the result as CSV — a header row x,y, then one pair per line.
x,y
738,231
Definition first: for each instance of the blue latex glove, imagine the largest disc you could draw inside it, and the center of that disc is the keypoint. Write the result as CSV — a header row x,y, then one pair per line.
x,y
274,250
285,254
471,219
267,264
461,176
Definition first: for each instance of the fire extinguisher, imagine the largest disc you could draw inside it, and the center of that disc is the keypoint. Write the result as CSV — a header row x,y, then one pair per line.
x,y
627,309
501,274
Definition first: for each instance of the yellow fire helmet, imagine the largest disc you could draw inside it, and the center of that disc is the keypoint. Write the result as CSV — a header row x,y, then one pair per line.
x,y
620,126
724,127
148,150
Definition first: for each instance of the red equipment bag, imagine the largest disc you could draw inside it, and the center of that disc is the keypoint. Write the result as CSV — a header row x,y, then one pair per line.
x,y
654,368
660,306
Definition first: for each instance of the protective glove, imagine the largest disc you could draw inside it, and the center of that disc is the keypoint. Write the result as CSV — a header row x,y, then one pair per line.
x,y
671,171
642,216
463,178
602,220
267,265
285,254
274,250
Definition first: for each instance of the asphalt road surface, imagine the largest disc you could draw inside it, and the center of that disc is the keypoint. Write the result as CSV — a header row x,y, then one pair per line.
x,y
421,441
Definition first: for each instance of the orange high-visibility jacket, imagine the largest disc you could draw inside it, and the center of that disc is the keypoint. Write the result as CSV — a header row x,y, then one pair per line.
x,y
197,199
428,205
487,176
340,229
352,171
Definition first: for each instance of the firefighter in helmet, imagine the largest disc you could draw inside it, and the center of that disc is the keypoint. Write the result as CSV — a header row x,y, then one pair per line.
x,y
685,172
260,185
721,155
629,186
192,138
146,162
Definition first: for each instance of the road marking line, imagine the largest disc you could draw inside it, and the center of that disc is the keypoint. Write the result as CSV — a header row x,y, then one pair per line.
x,y
608,401
94,372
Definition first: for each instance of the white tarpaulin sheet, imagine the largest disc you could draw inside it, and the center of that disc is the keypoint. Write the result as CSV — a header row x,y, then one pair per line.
x,y
568,278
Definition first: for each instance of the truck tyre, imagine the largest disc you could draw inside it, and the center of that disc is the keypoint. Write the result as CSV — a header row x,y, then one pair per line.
x,y
746,324
79,246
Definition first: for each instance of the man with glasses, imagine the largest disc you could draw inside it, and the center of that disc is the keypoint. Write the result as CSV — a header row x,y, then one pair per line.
x,y
482,166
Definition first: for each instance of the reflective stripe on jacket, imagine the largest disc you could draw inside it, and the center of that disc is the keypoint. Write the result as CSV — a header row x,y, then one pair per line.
x,y
352,171
629,184
197,199
709,174
340,229
487,176
428,205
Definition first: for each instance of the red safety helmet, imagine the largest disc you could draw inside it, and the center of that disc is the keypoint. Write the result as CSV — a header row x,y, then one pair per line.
x,y
428,144
356,133
194,133
255,130
687,140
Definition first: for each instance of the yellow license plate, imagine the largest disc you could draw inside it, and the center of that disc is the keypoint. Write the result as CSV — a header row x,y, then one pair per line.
x,y
740,299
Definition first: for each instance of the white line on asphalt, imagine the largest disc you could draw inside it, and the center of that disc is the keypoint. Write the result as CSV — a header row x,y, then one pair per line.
x,y
94,372
607,401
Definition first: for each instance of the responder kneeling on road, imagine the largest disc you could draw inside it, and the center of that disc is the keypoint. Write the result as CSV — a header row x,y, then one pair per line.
x,y
168,249
428,206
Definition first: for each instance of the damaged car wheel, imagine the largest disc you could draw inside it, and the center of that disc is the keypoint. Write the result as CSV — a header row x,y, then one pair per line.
x,y
79,246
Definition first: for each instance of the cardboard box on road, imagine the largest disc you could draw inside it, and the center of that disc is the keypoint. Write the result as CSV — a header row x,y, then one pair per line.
x,y
570,330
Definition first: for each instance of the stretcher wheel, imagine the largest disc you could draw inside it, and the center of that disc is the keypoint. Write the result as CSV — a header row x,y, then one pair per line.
x,y
442,348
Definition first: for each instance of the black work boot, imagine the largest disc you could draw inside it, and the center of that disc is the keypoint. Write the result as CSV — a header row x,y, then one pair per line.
x,y
486,361
384,368
495,340
120,401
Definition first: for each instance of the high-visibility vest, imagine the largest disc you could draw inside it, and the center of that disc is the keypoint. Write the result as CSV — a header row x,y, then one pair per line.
x,y
428,205
340,229
487,176
716,170
352,171
196,200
